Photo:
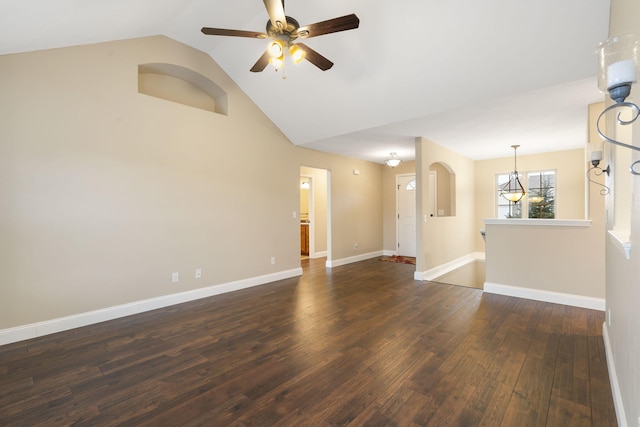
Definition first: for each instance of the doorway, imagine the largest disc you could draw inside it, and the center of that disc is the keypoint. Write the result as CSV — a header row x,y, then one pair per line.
x,y
314,218
406,215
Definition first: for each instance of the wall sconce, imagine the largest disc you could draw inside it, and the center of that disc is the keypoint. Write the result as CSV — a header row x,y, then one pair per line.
x,y
393,161
616,74
596,157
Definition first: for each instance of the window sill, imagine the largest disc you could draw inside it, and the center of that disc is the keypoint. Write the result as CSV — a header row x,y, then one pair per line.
x,y
538,222
621,240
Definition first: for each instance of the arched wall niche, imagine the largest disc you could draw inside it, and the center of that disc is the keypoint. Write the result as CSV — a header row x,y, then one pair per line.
x,y
179,84
445,188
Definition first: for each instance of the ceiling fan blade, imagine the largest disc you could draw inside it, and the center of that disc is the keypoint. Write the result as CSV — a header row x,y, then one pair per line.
x,y
234,33
261,63
343,23
275,9
315,58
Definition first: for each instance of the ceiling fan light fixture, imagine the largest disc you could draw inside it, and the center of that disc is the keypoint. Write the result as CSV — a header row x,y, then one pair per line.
x,y
283,30
277,62
276,49
297,54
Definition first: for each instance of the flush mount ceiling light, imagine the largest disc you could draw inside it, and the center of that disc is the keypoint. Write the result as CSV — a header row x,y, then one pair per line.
x,y
617,64
393,161
513,190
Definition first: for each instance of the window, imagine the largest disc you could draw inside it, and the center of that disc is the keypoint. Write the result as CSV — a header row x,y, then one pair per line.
x,y
541,191
540,201
411,185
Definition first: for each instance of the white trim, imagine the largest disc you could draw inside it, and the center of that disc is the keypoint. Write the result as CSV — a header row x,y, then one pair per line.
x,y
620,238
34,330
389,253
442,269
320,254
349,260
618,403
312,217
538,222
546,296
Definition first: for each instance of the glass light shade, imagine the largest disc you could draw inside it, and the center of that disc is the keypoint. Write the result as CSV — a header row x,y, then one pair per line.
x,y
275,49
513,190
392,162
277,62
513,196
618,60
535,199
296,53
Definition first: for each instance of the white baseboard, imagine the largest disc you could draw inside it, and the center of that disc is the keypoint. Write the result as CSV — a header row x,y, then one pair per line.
x,y
320,254
442,269
356,258
546,296
613,378
34,330
389,253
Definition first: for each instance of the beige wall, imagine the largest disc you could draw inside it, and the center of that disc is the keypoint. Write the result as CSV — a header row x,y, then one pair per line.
x,y
389,201
444,239
555,259
355,203
622,274
445,188
105,192
570,195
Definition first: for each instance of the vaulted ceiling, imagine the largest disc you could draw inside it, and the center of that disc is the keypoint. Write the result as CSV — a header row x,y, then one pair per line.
x,y
474,76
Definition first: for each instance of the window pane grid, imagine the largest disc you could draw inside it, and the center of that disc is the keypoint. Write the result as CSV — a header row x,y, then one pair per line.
x,y
541,190
540,201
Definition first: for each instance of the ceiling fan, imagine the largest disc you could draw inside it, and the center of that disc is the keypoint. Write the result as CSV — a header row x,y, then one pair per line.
x,y
284,31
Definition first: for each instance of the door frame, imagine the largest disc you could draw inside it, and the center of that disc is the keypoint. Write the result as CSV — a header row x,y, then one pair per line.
x,y
397,217
312,231
313,253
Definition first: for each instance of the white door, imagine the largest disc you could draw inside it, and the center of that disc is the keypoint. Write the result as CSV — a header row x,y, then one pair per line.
x,y
406,215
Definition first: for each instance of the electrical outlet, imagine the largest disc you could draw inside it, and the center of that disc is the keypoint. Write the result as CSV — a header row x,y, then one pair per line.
x,y
175,277
355,246
273,260
198,273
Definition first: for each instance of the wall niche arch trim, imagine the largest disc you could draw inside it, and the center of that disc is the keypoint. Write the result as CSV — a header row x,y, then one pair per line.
x,y
446,189
182,85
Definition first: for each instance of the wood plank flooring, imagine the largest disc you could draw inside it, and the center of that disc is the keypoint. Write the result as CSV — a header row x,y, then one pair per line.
x,y
357,345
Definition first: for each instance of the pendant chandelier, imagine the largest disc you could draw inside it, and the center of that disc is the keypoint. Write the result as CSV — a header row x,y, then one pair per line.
x,y
513,190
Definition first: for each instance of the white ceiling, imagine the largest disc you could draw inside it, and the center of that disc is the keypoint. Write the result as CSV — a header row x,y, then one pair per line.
x,y
474,76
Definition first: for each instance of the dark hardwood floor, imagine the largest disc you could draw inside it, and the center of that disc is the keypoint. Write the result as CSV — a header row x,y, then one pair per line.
x,y
358,345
